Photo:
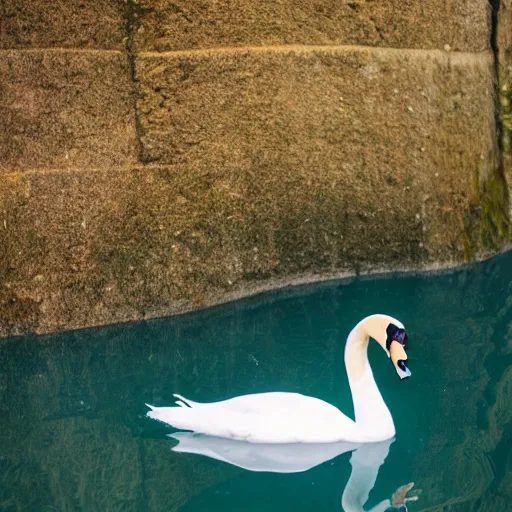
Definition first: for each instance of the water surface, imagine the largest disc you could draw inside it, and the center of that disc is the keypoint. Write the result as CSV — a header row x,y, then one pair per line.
x,y
74,435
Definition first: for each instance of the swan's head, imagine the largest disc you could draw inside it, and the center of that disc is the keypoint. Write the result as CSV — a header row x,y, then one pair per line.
x,y
396,345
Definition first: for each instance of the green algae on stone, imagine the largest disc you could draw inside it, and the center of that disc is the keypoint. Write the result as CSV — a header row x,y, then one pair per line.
x,y
487,225
504,71
495,225
506,117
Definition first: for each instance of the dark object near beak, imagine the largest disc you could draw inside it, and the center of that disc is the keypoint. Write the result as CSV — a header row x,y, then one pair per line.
x,y
401,365
403,371
395,333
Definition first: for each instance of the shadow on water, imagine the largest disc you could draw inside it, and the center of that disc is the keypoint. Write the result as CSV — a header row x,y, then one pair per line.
x,y
75,436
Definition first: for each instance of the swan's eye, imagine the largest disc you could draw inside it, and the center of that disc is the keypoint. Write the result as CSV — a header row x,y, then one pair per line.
x,y
395,333
404,341
401,337
401,365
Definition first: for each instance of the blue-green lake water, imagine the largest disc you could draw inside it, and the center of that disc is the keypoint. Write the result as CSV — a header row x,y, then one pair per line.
x,y
74,436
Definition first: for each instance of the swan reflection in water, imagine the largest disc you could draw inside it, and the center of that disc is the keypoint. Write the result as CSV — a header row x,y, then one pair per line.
x,y
366,461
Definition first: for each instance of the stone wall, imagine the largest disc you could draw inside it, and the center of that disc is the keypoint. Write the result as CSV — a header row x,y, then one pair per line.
x,y
158,157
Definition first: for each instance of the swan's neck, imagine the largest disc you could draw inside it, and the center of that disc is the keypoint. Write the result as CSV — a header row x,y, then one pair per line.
x,y
373,418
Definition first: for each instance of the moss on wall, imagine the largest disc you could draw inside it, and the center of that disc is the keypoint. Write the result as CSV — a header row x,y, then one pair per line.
x,y
487,226
504,69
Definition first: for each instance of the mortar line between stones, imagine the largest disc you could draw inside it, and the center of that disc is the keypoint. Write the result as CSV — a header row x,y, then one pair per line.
x,y
2,17
484,54
62,50
7,173
131,28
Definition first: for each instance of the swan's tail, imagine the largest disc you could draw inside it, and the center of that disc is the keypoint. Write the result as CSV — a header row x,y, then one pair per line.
x,y
185,417
190,442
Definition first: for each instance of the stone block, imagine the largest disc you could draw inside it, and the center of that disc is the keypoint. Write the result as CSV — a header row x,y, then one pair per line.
x,y
63,23
365,118
65,109
193,24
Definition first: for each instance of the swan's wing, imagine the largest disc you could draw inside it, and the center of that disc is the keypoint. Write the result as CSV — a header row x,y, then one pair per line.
x,y
276,458
263,418
270,403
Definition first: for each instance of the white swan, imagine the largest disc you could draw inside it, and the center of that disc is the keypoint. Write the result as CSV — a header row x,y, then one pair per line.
x,y
294,418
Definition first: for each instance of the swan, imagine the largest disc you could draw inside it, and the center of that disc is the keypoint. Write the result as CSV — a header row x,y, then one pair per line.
x,y
278,417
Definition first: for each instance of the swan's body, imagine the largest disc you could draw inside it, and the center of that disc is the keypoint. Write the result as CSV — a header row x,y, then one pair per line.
x,y
295,418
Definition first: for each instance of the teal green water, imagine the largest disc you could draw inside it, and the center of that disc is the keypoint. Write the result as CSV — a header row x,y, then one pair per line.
x,y
74,436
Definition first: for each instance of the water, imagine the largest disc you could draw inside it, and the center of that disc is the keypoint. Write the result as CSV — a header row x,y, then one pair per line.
x,y
74,435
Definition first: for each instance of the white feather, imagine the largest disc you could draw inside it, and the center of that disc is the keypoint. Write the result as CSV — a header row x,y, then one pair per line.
x,y
279,417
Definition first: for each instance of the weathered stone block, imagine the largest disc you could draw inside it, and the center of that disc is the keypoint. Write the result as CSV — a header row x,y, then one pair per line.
x,y
188,24
63,23
310,108
363,117
65,109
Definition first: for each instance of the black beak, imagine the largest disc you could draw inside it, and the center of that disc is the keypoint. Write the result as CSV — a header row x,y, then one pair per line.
x,y
401,365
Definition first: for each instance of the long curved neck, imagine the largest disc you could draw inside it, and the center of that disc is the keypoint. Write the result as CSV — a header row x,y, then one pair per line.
x,y
373,419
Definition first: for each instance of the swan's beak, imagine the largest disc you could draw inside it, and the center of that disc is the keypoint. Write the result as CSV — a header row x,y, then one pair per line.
x,y
399,358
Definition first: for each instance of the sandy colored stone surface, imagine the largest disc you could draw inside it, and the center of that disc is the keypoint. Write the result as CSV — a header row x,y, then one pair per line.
x,y
65,109
188,24
63,23
313,108
365,119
